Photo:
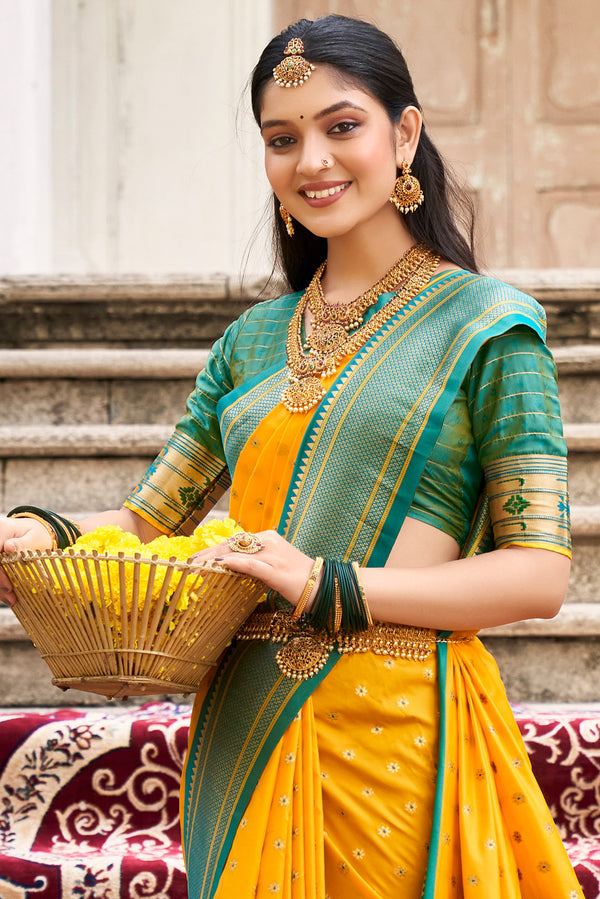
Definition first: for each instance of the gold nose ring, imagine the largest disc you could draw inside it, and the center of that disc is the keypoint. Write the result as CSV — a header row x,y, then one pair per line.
x,y
325,163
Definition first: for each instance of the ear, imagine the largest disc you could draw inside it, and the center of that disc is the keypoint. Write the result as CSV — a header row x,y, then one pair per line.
x,y
407,132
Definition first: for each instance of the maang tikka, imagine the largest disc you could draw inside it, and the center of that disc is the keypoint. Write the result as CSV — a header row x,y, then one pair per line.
x,y
294,70
407,195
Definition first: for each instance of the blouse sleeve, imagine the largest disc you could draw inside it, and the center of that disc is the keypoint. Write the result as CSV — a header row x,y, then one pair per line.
x,y
190,472
515,412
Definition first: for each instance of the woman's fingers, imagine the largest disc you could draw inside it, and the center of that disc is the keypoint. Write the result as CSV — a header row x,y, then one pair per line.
x,y
277,564
17,534
7,596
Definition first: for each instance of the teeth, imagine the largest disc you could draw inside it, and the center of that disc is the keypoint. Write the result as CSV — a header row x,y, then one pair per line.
x,y
319,194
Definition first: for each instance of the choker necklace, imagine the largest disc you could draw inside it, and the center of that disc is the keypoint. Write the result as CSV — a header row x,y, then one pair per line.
x,y
322,351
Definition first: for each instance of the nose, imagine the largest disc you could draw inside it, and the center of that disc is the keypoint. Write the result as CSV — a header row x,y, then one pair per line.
x,y
314,155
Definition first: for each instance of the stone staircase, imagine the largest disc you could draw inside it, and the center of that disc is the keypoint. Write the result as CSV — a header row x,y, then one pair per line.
x,y
81,422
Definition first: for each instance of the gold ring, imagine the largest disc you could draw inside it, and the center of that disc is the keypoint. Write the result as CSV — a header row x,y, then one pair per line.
x,y
245,543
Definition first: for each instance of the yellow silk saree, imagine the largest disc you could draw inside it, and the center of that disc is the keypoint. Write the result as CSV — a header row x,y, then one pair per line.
x,y
381,775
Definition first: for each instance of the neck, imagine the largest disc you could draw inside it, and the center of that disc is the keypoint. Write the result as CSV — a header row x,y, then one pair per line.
x,y
356,261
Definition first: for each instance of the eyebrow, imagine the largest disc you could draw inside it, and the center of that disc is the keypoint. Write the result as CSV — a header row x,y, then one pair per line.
x,y
335,107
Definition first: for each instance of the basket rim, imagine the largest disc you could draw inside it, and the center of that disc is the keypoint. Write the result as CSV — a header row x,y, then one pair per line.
x,y
24,555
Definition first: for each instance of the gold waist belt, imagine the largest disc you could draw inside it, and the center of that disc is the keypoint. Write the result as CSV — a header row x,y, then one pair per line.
x,y
305,651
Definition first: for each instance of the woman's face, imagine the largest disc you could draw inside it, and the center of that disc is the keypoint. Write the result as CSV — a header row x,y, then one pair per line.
x,y
329,120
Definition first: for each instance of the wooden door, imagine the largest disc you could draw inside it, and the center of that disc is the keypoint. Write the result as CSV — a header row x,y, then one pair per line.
x,y
511,95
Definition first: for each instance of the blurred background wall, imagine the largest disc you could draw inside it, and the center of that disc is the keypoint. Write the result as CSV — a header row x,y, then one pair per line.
x,y
127,145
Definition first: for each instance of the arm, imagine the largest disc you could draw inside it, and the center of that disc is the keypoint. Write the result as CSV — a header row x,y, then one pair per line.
x,y
180,486
17,534
496,588
464,594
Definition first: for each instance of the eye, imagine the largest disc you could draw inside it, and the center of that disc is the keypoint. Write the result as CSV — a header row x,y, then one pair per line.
x,y
280,142
343,127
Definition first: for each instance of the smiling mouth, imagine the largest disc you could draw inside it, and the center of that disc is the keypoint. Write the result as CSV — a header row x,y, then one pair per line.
x,y
328,192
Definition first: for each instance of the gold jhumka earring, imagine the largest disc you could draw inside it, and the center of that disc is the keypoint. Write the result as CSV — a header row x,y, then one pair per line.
x,y
407,195
289,222
294,70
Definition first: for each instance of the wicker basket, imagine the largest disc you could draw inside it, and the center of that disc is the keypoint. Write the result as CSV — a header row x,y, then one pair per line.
x,y
124,626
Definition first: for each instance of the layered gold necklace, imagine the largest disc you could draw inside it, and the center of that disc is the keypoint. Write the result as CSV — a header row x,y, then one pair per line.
x,y
331,338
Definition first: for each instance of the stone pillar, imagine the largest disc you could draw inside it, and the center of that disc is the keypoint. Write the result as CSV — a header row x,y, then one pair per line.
x,y
25,160
157,167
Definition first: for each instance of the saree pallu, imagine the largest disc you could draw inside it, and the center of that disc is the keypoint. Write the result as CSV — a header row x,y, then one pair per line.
x,y
381,776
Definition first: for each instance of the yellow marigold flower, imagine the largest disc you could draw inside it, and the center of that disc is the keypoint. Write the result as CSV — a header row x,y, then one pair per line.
x,y
112,540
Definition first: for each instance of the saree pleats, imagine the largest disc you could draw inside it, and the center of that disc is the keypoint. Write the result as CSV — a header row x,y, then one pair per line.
x,y
497,837
368,732
278,847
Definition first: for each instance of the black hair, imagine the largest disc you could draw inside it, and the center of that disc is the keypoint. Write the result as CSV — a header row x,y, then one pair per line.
x,y
369,58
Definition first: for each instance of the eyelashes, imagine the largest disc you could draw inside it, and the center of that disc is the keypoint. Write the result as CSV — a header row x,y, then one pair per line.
x,y
341,129
280,142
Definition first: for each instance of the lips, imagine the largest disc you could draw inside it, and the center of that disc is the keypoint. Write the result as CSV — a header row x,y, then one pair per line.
x,y
323,193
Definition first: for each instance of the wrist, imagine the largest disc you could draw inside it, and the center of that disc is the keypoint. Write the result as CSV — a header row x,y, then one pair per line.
x,y
309,590
44,527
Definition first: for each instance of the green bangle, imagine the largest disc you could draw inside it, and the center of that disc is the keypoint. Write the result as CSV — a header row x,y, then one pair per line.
x,y
66,530
339,581
321,615
355,612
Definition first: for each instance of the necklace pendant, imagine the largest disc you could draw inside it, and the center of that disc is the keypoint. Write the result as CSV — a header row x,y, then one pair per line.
x,y
300,395
328,339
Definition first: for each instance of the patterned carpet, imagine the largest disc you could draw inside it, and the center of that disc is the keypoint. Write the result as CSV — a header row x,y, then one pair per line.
x,y
89,798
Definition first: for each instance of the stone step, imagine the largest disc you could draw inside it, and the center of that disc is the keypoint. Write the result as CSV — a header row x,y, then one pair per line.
x,y
97,386
133,439
121,310
142,386
555,660
137,311
579,382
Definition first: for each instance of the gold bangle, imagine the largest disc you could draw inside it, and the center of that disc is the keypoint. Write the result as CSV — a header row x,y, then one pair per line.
x,y
356,567
308,589
337,614
45,524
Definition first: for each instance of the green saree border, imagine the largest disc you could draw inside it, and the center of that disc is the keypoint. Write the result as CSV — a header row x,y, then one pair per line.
x,y
434,841
248,708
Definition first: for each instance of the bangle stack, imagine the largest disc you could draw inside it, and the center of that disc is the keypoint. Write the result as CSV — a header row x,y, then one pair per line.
x,y
339,601
339,611
63,531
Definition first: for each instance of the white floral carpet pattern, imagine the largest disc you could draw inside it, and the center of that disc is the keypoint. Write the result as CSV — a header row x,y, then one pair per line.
x,y
89,804
89,799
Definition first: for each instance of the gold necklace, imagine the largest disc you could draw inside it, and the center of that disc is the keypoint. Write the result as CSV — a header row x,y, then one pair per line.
x,y
350,315
332,342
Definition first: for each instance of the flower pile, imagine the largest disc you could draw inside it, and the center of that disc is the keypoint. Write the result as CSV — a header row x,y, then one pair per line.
x,y
104,579
113,540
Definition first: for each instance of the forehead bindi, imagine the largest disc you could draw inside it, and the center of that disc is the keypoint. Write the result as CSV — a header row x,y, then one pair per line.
x,y
323,92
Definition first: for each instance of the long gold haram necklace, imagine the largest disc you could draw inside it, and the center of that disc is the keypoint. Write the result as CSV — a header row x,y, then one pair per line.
x,y
330,341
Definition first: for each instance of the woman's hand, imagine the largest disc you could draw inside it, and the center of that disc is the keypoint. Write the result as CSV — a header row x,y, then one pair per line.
x,y
278,564
17,534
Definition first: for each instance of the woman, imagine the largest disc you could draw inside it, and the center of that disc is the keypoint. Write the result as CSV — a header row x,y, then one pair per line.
x,y
400,412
